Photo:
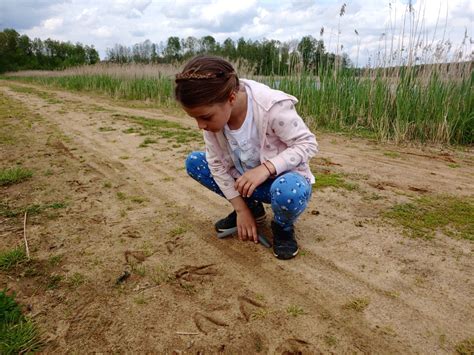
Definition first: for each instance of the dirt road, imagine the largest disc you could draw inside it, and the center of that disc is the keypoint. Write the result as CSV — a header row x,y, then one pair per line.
x,y
360,284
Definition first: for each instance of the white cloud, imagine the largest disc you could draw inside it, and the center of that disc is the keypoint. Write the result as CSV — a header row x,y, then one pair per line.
x,y
52,24
103,32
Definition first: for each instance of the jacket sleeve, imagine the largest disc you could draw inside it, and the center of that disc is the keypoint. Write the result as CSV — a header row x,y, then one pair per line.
x,y
290,128
222,176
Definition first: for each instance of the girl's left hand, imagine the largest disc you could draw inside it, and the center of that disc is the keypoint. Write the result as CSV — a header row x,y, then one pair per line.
x,y
247,183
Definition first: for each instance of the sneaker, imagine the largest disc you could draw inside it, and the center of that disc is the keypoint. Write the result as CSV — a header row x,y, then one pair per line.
x,y
229,222
284,242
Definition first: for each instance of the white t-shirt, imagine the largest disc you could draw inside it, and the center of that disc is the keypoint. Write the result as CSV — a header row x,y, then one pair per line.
x,y
244,142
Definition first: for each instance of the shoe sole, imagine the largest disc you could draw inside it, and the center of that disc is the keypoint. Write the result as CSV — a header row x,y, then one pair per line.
x,y
261,238
259,220
291,257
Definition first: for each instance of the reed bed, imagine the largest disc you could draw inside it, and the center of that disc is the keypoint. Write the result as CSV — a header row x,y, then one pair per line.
x,y
402,104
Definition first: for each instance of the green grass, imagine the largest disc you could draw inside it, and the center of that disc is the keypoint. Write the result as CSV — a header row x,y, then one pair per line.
x,y
140,300
55,260
138,199
453,216
466,347
106,129
162,274
177,231
174,132
18,335
357,304
121,196
332,180
14,175
146,142
295,310
53,281
75,280
11,258
391,154
7,211
50,98
157,90
260,313
330,340
139,270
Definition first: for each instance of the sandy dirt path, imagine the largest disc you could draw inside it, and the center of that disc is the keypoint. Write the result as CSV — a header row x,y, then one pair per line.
x,y
360,285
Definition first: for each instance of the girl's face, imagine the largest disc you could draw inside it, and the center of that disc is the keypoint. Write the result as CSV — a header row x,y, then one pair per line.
x,y
213,117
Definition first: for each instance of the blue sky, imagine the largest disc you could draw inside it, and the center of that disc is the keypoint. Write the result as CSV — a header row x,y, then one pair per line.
x,y
104,23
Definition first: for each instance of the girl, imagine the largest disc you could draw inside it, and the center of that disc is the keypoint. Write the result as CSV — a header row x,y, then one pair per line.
x,y
257,149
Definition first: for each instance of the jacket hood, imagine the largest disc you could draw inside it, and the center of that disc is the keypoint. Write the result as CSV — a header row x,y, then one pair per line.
x,y
264,96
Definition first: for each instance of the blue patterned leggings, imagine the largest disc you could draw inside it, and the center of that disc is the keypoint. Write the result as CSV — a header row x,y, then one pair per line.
x,y
288,194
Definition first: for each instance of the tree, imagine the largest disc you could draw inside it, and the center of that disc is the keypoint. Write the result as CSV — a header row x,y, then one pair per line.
x,y
208,44
228,49
307,49
19,52
173,49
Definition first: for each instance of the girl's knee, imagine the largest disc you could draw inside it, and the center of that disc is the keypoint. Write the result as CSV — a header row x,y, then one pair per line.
x,y
290,194
193,161
290,186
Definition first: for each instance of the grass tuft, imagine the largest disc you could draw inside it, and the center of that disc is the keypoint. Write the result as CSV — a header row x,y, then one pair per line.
x,y
55,260
466,347
76,279
11,258
260,313
454,216
18,335
162,274
357,304
177,231
14,175
330,340
295,310
332,180
7,211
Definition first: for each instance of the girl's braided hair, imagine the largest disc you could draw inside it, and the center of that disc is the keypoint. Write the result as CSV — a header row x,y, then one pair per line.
x,y
205,80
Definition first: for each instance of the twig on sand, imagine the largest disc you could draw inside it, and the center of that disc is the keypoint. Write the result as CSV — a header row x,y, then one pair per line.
x,y
24,236
187,333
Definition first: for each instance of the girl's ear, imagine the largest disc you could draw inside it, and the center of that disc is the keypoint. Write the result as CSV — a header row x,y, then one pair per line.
x,y
232,97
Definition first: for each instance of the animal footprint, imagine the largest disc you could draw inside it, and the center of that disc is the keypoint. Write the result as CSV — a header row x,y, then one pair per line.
x,y
245,303
201,319
171,245
190,273
138,255
293,346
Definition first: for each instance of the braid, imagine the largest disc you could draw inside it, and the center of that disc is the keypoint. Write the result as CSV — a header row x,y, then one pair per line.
x,y
193,75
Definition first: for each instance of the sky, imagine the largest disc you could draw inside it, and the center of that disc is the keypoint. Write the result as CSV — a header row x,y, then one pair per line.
x,y
103,23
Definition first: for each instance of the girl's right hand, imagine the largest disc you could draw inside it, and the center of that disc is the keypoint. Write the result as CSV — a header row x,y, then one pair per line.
x,y
246,226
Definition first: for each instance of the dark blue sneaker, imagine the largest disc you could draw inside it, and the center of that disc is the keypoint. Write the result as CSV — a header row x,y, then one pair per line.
x,y
229,222
284,242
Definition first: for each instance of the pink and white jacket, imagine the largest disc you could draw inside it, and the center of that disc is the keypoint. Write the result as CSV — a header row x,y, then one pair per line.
x,y
285,140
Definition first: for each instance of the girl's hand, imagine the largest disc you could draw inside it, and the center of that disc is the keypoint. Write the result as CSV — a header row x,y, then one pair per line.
x,y
246,226
247,183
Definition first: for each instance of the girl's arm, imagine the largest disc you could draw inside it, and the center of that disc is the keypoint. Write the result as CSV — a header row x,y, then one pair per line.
x,y
290,128
223,176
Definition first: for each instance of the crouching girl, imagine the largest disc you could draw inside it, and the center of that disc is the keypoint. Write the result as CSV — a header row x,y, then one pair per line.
x,y
257,149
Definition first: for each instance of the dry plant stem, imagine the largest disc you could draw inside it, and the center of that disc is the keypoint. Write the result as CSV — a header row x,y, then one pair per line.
x,y
187,333
24,237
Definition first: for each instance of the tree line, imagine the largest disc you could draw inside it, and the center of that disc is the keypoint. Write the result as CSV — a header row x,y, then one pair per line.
x,y
265,57
19,52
